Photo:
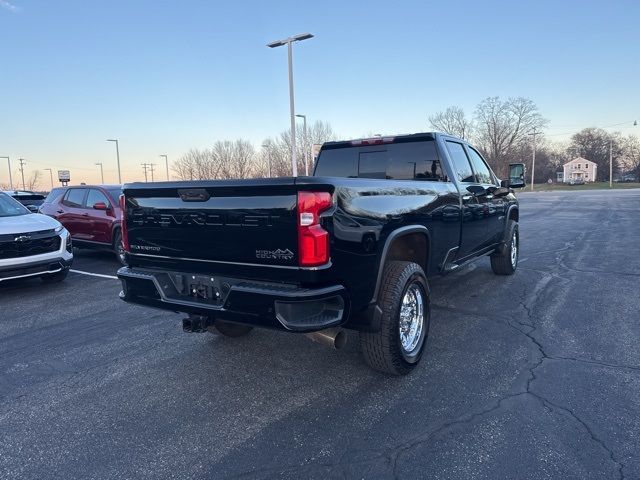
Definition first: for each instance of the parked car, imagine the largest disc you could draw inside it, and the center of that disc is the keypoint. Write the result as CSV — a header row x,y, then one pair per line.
x,y
31,200
350,247
32,245
91,213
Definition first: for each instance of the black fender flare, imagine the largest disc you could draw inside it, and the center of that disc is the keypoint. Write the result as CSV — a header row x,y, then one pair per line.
x,y
398,233
116,226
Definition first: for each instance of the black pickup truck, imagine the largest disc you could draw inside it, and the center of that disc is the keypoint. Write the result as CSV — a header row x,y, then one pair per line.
x,y
350,247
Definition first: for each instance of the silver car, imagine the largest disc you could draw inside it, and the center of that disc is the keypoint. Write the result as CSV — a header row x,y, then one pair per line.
x,y
32,245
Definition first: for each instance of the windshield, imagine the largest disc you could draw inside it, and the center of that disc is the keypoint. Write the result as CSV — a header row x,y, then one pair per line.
x,y
11,208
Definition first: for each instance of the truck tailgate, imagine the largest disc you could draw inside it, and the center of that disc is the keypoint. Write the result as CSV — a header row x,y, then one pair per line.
x,y
250,221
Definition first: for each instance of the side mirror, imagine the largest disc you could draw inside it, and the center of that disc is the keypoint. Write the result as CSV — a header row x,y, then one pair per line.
x,y
32,208
100,206
516,175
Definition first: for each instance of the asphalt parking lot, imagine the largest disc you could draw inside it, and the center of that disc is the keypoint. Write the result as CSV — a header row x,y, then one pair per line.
x,y
531,376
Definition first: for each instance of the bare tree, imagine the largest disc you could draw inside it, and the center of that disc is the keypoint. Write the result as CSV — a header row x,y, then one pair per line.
x,y
501,125
33,181
196,165
280,147
452,121
630,160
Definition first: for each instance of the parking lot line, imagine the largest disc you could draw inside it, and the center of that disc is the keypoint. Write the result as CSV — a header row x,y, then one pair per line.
x,y
94,274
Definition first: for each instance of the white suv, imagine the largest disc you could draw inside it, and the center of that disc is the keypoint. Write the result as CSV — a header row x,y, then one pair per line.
x,y
32,245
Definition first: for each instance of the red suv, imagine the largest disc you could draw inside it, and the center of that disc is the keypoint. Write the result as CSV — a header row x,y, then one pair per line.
x,y
91,213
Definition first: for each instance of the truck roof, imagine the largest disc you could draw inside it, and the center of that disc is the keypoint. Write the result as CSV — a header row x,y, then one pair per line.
x,y
406,137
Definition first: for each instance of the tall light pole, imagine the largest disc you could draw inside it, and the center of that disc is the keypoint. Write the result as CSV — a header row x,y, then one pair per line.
x,y
10,178
118,157
51,176
101,172
289,42
22,164
166,163
533,161
267,146
304,144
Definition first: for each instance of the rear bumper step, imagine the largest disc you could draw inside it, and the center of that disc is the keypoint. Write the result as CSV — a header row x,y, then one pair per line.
x,y
260,304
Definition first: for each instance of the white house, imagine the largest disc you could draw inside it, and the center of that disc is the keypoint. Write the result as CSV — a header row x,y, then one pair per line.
x,y
578,169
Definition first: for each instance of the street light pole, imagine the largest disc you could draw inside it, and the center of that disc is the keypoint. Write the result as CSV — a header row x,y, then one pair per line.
x,y
10,178
118,157
50,175
268,147
533,160
289,43
166,162
305,155
101,172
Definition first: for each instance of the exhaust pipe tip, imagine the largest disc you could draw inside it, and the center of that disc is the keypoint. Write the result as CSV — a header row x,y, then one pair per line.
x,y
331,337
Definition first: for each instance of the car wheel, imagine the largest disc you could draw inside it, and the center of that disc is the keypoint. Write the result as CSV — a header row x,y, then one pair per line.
x,y
229,329
506,262
55,277
399,344
118,247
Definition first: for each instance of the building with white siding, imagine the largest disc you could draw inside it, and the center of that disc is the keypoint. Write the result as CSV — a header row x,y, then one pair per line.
x,y
578,169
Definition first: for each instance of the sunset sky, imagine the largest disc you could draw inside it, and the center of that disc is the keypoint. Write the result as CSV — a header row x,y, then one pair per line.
x,y
166,76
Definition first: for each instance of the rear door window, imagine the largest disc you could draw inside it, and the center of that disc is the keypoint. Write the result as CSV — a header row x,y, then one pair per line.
x,y
461,165
75,197
95,196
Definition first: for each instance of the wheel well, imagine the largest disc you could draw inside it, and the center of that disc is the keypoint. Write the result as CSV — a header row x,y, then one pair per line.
x,y
514,214
114,232
412,247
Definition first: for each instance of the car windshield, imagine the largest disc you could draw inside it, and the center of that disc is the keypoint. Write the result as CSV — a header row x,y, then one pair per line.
x,y
11,208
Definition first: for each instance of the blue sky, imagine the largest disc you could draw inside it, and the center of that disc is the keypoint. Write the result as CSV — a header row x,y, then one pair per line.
x,y
166,76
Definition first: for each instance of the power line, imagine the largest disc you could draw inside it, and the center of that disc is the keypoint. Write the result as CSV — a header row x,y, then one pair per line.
x,y
22,164
144,166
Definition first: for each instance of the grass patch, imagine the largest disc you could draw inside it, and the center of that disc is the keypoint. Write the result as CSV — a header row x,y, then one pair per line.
x,y
546,187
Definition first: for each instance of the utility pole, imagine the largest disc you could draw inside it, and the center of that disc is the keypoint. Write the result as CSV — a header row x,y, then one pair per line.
x,y
22,164
610,162
166,163
533,161
144,166
51,175
10,179
151,165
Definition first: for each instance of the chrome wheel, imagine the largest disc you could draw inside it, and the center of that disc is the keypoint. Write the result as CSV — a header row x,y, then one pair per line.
x,y
411,323
514,249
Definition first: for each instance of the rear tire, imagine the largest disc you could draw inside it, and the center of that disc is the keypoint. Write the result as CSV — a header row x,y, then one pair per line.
x,y
118,248
55,277
399,344
229,329
506,262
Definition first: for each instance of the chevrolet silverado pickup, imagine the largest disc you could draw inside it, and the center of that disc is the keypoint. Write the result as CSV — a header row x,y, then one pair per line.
x,y
350,247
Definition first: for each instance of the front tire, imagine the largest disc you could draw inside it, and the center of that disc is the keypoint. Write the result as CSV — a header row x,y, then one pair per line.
x,y
399,344
506,262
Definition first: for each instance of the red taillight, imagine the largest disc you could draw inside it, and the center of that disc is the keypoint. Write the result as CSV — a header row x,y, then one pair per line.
x,y
313,240
372,141
125,233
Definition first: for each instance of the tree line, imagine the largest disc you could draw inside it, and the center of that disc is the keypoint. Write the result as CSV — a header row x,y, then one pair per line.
x,y
502,130
240,158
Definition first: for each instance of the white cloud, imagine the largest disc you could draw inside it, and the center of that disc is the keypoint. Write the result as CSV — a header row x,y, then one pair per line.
x,y
7,5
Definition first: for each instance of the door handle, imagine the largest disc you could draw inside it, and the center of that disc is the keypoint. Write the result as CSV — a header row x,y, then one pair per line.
x,y
59,211
85,214
466,198
489,196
